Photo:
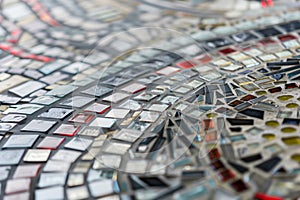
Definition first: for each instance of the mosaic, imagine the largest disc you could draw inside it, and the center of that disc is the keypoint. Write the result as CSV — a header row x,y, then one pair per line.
x,y
170,105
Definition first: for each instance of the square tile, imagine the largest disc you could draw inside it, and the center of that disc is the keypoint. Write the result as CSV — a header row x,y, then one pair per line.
x,y
17,141
56,166
145,96
117,113
67,130
97,91
13,118
148,116
56,192
131,105
7,126
17,185
158,107
39,126
36,155
117,148
116,97
127,135
66,155
83,118
77,101
103,122
79,192
168,70
97,108
18,196
50,142
27,171
134,88
56,113
52,179
107,186
80,144
11,157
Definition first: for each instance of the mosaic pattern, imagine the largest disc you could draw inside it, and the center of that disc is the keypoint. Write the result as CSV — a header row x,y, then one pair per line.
x,y
95,107
205,8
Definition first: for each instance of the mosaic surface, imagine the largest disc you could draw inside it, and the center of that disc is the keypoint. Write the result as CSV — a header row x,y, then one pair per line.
x,y
113,100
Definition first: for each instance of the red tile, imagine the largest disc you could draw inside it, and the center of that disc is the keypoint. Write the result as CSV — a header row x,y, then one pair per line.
x,y
214,154
186,64
235,103
44,59
217,165
274,90
283,38
262,196
227,51
267,41
211,136
208,124
226,175
204,58
239,185
248,97
266,3
5,47
291,85
15,52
